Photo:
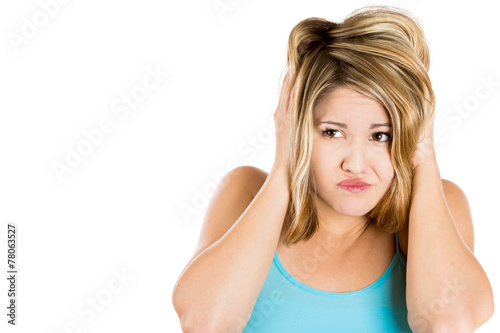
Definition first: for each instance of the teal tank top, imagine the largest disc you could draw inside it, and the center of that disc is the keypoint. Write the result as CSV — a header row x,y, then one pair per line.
x,y
287,305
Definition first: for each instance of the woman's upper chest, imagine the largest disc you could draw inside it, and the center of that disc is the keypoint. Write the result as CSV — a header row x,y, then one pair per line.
x,y
321,268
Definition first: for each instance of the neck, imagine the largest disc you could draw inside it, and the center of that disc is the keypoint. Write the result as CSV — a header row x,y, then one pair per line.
x,y
342,236
340,231
336,233
335,238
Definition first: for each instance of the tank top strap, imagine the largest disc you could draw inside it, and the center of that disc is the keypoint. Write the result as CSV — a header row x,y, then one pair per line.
x,y
397,242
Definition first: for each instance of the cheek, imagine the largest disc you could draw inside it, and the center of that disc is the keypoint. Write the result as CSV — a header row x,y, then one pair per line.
x,y
323,157
384,169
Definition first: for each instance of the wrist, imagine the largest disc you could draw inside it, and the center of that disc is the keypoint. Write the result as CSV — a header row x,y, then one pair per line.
x,y
280,172
424,157
428,168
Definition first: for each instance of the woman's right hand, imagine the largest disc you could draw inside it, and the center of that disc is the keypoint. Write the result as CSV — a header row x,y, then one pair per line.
x,y
283,124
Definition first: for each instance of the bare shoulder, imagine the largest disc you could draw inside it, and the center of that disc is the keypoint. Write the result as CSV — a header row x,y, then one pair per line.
x,y
458,205
256,178
233,195
460,211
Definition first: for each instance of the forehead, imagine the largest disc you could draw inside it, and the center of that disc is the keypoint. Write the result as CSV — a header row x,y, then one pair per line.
x,y
345,104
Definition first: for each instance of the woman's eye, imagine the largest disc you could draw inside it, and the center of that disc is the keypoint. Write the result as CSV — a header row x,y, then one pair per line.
x,y
331,133
379,137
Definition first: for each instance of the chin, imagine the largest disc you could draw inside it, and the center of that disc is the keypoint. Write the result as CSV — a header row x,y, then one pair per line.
x,y
353,209
348,206
352,212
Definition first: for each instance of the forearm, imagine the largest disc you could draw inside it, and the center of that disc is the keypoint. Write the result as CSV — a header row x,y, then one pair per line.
x,y
222,283
446,285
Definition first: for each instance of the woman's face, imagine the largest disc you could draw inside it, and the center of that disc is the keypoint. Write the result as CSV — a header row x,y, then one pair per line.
x,y
352,138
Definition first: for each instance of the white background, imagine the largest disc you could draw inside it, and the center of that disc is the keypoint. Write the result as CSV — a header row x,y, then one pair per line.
x,y
119,210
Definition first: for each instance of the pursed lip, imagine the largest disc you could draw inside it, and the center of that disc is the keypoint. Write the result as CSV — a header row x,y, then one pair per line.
x,y
353,182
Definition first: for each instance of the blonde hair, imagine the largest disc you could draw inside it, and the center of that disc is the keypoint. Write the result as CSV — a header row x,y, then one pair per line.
x,y
380,52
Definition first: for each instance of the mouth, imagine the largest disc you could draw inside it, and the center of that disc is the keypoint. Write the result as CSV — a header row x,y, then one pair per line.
x,y
354,188
354,185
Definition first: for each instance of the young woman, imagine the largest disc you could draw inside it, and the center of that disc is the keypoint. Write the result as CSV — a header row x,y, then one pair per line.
x,y
353,230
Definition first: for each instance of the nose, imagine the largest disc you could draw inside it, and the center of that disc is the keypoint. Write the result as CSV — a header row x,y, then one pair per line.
x,y
355,159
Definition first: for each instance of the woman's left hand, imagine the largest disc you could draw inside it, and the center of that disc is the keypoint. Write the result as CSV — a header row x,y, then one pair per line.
x,y
425,149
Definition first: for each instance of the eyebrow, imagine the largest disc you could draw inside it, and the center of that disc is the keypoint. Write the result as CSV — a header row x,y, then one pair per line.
x,y
345,125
